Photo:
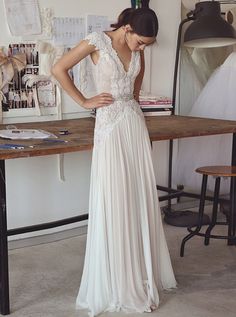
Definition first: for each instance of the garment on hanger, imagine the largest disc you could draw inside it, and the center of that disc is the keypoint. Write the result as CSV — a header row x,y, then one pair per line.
x,y
196,67
191,79
217,100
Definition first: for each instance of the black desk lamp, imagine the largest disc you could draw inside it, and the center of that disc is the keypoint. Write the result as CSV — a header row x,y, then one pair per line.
x,y
208,29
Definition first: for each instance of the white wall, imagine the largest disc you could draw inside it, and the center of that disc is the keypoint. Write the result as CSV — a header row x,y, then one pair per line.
x,y
163,58
34,192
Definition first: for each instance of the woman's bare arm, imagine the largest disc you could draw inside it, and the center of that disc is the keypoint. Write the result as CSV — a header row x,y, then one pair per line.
x,y
60,72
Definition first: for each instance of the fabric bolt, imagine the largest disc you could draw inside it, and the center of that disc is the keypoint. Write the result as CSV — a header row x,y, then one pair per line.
x,y
127,260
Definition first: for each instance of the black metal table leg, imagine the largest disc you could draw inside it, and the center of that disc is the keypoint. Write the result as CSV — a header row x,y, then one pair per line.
x,y
4,274
232,217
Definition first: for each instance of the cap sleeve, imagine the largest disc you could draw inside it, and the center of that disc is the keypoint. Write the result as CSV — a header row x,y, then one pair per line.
x,y
95,39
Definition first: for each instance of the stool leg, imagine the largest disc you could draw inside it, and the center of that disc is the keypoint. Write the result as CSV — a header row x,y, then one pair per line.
x,y
214,211
200,214
232,217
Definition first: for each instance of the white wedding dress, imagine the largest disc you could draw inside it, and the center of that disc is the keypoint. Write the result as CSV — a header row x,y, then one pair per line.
x,y
127,260
217,100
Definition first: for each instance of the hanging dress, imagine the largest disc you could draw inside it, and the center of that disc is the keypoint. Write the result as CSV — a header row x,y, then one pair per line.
x,y
218,101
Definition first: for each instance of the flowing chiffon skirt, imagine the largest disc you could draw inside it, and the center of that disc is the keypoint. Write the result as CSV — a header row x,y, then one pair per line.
x,y
127,260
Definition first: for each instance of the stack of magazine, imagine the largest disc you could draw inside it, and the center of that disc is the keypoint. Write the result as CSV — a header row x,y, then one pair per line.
x,y
154,105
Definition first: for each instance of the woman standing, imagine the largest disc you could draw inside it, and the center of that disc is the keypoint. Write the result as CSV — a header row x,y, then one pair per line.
x,y
127,259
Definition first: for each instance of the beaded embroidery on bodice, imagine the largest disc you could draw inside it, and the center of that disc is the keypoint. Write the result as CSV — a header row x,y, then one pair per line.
x,y
110,76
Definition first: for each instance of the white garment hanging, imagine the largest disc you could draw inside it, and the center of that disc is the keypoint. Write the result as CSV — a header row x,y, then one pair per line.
x,y
217,100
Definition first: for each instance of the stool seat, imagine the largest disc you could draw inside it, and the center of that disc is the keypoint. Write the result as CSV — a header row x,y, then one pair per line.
x,y
222,170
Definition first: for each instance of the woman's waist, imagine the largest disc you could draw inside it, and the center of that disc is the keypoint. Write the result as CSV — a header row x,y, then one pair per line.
x,y
119,106
118,95
119,103
124,97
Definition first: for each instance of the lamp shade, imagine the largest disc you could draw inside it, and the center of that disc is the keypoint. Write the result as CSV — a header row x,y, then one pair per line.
x,y
225,5
209,29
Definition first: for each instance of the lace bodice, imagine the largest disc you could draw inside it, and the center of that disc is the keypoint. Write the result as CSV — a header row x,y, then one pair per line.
x,y
110,76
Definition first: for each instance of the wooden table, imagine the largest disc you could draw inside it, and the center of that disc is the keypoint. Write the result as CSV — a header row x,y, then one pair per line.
x,y
80,138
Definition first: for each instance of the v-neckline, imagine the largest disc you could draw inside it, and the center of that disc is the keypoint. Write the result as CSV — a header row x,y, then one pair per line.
x,y
117,56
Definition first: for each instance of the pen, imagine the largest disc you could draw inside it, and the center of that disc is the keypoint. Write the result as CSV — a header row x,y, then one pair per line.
x,y
11,146
55,140
19,146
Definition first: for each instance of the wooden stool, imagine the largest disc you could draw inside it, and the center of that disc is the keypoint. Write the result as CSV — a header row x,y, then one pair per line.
x,y
218,172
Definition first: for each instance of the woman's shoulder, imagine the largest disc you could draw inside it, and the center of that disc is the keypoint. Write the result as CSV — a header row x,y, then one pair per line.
x,y
96,39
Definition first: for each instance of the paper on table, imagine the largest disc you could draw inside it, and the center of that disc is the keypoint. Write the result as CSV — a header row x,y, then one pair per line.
x,y
24,134
23,17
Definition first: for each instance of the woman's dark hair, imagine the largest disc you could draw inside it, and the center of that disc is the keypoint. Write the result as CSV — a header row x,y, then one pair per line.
x,y
143,21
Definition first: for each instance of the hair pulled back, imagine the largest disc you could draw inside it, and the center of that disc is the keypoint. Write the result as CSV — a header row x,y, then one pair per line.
x,y
143,21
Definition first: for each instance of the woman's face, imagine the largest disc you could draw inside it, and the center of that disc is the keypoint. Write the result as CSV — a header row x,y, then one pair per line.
x,y
138,42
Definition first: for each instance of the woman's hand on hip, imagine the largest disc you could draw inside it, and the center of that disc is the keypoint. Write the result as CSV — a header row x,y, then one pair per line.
x,y
101,100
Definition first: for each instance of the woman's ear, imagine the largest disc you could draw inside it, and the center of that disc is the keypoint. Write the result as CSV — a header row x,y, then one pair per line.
x,y
127,28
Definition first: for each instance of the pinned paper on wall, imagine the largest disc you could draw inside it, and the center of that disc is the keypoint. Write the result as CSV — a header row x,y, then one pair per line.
x,y
96,23
23,17
46,17
46,91
68,31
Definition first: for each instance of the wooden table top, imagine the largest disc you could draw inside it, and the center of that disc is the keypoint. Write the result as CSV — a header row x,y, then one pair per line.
x,y
81,131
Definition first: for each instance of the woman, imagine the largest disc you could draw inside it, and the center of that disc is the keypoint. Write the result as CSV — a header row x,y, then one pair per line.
x,y
127,259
